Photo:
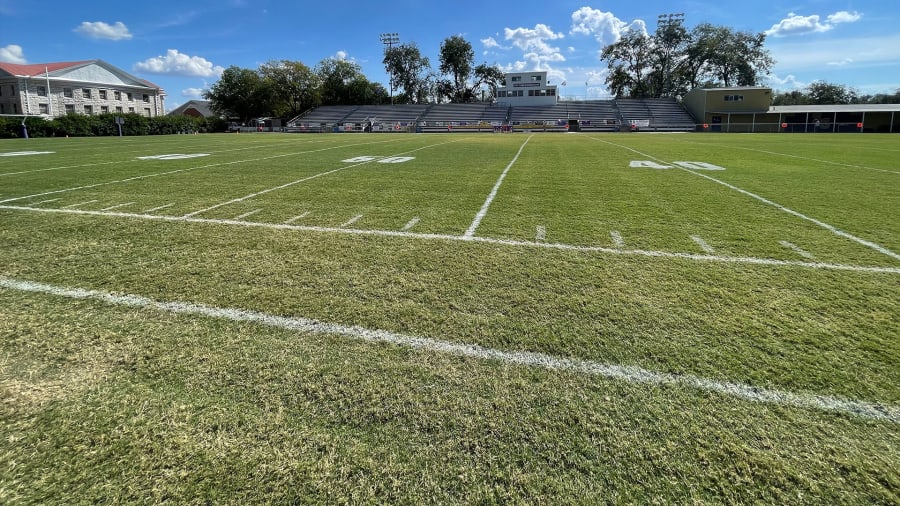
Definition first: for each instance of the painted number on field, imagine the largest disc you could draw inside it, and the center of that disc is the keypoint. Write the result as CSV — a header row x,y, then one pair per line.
x,y
26,153
380,159
174,156
649,164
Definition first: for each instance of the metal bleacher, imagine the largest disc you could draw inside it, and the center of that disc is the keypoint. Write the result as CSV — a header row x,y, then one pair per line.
x,y
659,114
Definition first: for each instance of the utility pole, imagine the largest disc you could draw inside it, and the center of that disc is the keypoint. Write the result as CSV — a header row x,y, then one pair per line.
x,y
389,39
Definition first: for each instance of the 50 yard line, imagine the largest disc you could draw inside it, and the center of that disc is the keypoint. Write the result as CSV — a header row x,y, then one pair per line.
x,y
470,232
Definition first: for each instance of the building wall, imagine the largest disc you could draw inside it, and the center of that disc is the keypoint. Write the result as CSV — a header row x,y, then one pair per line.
x,y
31,97
527,88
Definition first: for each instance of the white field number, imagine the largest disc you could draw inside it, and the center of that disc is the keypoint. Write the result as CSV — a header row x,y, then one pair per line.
x,y
649,164
174,156
389,159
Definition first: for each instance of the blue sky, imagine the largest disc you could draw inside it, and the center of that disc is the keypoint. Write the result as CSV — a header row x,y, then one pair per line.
x,y
184,46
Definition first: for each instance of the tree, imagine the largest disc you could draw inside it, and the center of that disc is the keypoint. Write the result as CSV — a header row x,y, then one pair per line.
x,y
241,94
337,79
408,70
457,58
822,93
295,87
630,64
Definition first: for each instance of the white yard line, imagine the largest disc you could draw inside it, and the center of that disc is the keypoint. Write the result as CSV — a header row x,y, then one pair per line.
x,y
352,221
292,183
788,155
703,244
411,223
110,208
247,214
826,226
617,239
160,208
45,201
484,240
60,168
626,373
298,217
80,204
210,165
830,228
540,233
800,251
470,232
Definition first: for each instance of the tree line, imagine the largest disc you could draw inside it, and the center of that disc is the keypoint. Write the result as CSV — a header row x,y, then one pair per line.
x,y
287,88
825,93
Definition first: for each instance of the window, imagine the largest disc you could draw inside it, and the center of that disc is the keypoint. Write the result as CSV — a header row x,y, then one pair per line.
x,y
119,109
130,97
516,79
734,98
1,91
12,89
146,98
15,108
103,94
89,109
42,91
117,95
1,108
536,78
67,92
131,110
44,108
147,112
70,108
86,93
104,109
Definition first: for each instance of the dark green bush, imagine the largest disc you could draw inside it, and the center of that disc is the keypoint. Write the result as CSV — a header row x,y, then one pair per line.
x,y
80,125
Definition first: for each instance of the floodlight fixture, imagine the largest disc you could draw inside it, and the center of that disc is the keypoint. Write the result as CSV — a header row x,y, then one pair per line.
x,y
389,39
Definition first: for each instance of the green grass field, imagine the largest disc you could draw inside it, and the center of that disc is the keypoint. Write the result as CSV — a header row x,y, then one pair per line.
x,y
540,319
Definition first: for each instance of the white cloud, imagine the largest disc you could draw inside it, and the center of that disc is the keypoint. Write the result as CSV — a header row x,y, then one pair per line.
x,y
533,41
101,30
192,92
12,54
795,24
491,43
179,64
603,26
788,82
841,63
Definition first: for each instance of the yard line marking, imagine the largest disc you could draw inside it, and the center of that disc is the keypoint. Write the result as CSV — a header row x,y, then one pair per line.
x,y
352,221
626,373
79,204
159,208
540,233
247,214
110,208
292,183
45,201
470,232
59,168
830,228
411,223
485,240
177,171
800,251
617,239
703,244
828,162
298,217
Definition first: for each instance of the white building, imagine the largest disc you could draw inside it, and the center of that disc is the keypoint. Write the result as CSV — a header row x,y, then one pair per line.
x,y
84,87
527,88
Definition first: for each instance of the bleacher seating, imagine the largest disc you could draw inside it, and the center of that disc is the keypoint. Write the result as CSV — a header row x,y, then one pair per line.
x,y
660,114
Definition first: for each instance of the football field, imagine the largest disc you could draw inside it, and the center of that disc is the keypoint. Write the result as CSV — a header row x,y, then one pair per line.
x,y
451,318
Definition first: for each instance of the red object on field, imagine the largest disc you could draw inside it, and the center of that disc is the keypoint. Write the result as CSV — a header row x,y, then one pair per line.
x,y
784,125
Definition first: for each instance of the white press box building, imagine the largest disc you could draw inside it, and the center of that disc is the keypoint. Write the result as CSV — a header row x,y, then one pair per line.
x,y
83,87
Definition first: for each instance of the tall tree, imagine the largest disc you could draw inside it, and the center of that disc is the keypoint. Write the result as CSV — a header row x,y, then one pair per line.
x,y
295,87
241,94
408,70
630,62
337,80
457,59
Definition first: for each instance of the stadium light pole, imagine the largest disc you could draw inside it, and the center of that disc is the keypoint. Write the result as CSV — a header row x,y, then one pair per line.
x,y
389,39
665,25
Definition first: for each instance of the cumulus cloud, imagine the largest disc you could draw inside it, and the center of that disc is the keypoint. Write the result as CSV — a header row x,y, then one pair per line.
x,y
101,30
491,43
179,64
533,41
12,54
603,26
796,24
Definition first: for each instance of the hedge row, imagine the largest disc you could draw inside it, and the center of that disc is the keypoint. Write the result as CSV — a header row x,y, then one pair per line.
x,y
80,125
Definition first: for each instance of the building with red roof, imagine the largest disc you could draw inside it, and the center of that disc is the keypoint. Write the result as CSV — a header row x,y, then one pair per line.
x,y
79,87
